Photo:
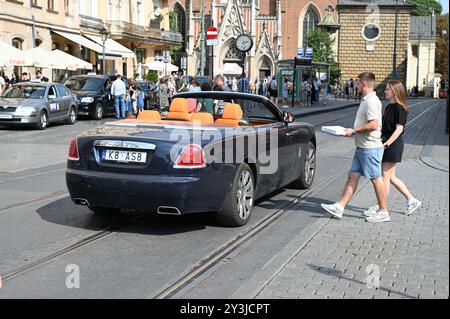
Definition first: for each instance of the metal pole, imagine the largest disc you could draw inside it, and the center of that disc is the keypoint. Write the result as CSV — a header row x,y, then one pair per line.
x,y
33,31
104,62
202,42
417,70
295,80
394,62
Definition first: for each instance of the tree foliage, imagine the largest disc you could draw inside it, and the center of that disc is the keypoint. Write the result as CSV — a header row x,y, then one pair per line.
x,y
322,44
423,7
441,65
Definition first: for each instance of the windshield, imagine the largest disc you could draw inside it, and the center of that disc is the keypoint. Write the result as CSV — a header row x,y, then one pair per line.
x,y
25,92
84,84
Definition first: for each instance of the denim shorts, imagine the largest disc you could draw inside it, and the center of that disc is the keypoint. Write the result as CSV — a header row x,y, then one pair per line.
x,y
367,162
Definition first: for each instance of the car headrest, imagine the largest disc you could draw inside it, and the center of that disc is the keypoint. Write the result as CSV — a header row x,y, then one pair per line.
x,y
205,118
149,115
179,105
232,112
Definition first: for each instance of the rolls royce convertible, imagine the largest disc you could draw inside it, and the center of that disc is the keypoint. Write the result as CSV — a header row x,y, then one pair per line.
x,y
232,150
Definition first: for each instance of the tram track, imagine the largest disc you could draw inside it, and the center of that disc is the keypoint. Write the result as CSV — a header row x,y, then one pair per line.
x,y
204,264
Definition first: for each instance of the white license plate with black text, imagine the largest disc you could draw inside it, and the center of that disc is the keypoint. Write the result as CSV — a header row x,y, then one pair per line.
x,y
6,116
124,156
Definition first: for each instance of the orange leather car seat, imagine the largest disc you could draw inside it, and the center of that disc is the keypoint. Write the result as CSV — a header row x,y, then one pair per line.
x,y
149,115
232,114
179,110
204,118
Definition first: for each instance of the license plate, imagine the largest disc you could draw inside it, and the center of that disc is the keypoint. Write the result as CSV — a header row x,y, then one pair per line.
x,y
6,116
124,156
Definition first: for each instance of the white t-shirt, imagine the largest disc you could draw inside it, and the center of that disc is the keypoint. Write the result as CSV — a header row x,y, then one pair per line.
x,y
369,109
2,83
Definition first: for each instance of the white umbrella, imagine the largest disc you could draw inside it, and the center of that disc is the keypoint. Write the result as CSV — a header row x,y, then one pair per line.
x,y
171,67
73,63
231,68
44,59
12,56
156,66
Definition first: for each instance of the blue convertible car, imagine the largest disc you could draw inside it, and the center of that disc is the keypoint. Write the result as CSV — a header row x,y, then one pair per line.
x,y
233,149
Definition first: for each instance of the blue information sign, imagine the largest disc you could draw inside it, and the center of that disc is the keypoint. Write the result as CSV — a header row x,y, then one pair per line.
x,y
300,52
309,52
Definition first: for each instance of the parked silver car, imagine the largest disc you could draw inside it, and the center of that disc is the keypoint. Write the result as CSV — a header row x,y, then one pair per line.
x,y
37,104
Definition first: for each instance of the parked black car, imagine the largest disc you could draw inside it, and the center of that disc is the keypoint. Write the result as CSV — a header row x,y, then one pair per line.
x,y
93,93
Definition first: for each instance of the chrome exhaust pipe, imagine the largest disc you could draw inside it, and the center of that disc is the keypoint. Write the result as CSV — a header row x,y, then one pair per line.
x,y
81,201
167,210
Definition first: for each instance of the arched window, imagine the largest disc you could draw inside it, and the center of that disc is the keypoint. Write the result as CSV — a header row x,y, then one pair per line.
x,y
309,23
233,55
17,43
37,42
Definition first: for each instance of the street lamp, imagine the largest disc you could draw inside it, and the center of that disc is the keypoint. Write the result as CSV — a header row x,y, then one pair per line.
x,y
394,63
104,33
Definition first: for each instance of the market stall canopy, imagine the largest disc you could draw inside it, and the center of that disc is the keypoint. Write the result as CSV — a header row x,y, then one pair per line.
x,y
73,63
113,46
231,68
162,67
44,59
91,45
12,56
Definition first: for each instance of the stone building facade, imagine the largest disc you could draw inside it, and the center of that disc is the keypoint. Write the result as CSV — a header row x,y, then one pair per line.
x,y
366,38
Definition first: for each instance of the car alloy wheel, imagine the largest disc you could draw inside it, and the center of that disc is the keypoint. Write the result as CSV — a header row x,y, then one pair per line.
x,y
244,194
98,113
72,116
310,164
43,121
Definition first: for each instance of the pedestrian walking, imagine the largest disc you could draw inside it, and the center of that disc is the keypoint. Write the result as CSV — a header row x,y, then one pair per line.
x,y
140,100
368,154
219,84
244,85
163,95
118,91
273,90
285,93
325,92
394,121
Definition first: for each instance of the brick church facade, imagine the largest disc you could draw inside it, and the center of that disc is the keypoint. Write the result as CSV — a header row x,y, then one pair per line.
x,y
278,28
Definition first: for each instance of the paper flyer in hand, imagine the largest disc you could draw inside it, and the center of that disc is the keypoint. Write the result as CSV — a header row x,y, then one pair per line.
x,y
334,130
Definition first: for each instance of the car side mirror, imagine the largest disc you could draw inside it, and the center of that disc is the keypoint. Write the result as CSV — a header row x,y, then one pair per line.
x,y
288,117
52,97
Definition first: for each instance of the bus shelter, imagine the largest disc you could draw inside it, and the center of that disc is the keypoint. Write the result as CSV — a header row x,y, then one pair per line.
x,y
298,73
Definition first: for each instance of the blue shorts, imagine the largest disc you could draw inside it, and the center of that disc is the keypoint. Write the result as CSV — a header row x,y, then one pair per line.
x,y
367,162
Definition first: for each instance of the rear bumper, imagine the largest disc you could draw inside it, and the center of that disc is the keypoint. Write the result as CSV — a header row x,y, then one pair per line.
x,y
127,191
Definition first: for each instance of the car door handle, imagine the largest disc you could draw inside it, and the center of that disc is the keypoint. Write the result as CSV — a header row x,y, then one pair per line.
x,y
293,133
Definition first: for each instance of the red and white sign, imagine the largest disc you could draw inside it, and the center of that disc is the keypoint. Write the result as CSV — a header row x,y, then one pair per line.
x,y
211,33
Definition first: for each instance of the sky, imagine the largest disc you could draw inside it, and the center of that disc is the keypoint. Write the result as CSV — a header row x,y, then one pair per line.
x,y
444,6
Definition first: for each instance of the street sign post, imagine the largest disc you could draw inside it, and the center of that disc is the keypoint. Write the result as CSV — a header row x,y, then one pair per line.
x,y
212,42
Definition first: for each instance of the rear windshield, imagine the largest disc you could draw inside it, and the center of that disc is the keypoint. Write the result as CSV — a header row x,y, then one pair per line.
x,y
33,92
85,84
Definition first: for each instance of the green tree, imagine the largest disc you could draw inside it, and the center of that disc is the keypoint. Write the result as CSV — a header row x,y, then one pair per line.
x,y
152,76
322,44
424,6
441,63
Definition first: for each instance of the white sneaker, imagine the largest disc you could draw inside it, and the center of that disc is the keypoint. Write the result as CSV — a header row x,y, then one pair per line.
x,y
413,205
371,211
334,209
379,217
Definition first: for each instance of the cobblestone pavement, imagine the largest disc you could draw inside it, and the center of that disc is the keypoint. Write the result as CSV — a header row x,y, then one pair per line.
x,y
410,253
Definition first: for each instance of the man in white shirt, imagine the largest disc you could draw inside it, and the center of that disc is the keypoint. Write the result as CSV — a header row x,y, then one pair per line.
x,y
369,152
118,91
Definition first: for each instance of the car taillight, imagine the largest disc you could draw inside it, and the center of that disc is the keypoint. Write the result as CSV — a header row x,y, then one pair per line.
x,y
73,150
192,156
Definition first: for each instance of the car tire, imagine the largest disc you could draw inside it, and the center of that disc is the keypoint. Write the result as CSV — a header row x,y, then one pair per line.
x,y
307,168
239,201
72,116
42,121
104,210
98,112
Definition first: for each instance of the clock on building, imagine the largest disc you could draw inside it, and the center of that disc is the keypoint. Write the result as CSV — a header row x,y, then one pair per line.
x,y
244,43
